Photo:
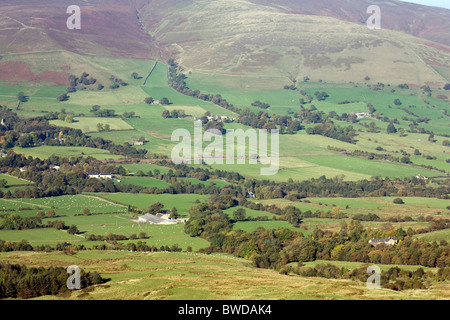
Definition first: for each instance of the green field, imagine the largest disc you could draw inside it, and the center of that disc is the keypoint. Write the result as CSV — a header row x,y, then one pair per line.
x,y
182,201
146,182
44,152
88,124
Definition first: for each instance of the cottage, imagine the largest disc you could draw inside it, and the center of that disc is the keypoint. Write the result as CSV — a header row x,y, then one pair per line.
x,y
386,241
138,143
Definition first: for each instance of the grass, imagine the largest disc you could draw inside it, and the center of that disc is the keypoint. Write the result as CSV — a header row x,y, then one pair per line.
x,y
44,152
249,226
14,181
89,124
435,236
182,201
146,182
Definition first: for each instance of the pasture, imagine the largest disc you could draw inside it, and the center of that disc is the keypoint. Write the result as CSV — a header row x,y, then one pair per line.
x,y
89,124
44,152
181,201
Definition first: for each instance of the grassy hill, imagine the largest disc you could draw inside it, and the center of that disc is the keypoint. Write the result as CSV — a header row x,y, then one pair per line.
x,y
259,44
184,276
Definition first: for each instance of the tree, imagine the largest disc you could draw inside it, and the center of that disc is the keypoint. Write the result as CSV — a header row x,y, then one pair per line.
x,y
100,127
142,235
397,102
164,101
149,100
68,118
63,97
73,229
51,213
166,114
398,201
405,159
447,86
21,97
391,128
95,108
3,183
135,75
155,208
174,213
239,214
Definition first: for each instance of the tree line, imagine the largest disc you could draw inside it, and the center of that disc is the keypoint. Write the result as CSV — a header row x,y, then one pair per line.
x,y
19,281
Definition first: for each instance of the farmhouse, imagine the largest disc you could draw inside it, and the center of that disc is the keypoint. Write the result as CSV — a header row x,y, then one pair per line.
x,y
138,143
153,219
362,115
99,175
387,241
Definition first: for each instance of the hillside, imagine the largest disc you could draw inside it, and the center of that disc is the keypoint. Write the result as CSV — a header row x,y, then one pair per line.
x,y
240,37
277,41
109,28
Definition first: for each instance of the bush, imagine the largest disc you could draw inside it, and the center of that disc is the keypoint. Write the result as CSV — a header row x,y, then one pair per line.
x,y
398,201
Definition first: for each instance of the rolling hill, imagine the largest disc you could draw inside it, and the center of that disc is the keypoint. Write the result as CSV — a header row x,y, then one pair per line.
x,y
278,41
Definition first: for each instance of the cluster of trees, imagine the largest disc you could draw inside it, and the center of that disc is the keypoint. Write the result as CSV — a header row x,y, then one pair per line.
x,y
84,79
174,114
15,222
330,130
116,82
108,237
99,112
19,281
321,96
262,105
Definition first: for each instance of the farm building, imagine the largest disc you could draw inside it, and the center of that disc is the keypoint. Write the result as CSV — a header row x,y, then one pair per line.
x,y
387,241
362,115
153,219
99,175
